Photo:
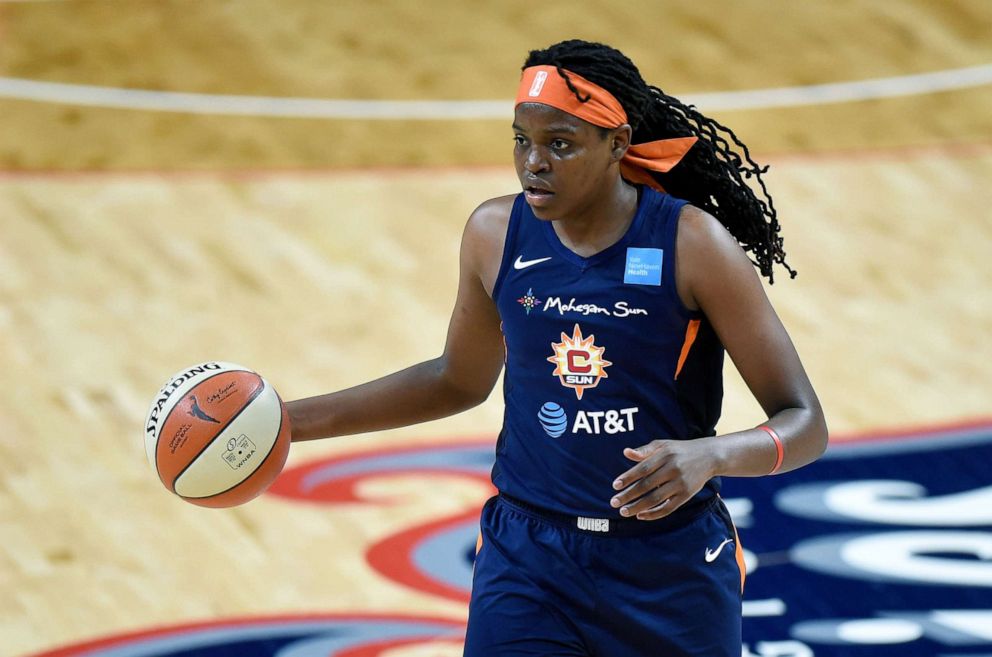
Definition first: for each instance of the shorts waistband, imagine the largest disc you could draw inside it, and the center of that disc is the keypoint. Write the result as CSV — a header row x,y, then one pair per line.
x,y
617,526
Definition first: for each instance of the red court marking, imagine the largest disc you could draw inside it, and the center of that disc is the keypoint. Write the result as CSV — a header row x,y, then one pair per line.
x,y
262,173
376,649
341,490
951,150
247,621
916,432
393,557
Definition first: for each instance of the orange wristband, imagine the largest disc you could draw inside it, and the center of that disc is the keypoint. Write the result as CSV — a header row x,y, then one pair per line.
x,y
779,451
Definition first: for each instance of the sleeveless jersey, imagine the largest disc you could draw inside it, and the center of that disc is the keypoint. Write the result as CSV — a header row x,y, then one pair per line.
x,y
601,354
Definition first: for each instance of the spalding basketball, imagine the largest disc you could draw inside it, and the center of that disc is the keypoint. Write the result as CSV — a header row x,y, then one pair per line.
x,y
217,434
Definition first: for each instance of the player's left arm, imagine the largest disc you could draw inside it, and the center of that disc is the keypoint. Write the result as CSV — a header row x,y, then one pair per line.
x,y
716,276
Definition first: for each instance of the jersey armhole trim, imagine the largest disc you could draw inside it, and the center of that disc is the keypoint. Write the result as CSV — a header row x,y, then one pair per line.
x,y
691,331
672,268
509,244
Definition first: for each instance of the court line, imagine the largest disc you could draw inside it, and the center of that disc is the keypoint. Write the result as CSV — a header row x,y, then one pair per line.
x,y
952,150
437,110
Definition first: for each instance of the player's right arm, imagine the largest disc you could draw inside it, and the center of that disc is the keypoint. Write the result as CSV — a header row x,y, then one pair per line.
x,y
460,378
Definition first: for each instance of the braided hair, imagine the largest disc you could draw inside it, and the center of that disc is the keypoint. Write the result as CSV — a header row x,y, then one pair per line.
x,y
713,174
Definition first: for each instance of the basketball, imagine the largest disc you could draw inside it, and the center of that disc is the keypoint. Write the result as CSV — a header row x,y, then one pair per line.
x,y
217,434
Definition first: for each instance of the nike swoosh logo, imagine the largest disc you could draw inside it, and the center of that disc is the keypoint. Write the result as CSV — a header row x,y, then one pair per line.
x,y
524,264
711,555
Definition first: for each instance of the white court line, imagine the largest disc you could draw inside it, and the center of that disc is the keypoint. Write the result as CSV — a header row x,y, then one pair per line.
x,y
316,108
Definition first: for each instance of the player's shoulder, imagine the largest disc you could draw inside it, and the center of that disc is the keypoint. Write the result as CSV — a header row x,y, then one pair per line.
x,y
484,237
699,232
707,254
696,223
487,224
492,214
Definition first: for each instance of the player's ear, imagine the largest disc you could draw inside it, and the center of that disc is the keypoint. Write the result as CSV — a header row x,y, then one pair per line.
x,y
620,140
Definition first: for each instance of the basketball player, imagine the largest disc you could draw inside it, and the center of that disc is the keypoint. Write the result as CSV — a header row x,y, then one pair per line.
x,y
608,289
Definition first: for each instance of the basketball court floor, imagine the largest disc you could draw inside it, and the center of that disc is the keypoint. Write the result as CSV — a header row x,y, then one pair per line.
x,y
284,185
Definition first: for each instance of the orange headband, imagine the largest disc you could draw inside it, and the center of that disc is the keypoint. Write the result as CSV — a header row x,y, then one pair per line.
x,y
545,85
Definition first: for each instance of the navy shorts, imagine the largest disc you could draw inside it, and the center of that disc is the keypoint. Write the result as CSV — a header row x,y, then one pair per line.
x,y
543,587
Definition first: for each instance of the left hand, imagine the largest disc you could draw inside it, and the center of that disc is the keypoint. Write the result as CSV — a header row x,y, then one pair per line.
x,y
668,473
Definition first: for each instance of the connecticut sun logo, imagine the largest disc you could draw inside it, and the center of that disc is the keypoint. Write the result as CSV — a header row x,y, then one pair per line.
x,y
578,362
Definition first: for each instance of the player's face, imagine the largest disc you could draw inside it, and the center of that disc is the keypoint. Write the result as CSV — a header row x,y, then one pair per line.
x,y
563,162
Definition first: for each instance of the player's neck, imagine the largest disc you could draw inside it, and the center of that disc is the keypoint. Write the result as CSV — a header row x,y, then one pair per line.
x,y
602,224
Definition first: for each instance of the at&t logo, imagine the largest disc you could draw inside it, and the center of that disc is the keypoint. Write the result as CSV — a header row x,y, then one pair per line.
x,y
554,420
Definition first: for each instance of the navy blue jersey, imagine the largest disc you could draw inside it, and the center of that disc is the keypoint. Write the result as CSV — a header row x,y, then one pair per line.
x,y
601,354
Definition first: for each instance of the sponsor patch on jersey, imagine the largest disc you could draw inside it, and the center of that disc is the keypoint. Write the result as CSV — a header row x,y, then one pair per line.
x,y
579,363
573,306
555,421
643,266
605,422
619,309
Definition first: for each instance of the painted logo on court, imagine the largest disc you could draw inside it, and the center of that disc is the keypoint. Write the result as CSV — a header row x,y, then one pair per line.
x,y
873,551
434,558
579,363
883,548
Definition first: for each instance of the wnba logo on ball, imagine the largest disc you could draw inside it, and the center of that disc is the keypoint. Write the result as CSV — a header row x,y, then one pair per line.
x,y
553,419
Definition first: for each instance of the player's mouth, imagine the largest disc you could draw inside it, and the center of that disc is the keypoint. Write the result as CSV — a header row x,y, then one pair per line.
x,y
537,195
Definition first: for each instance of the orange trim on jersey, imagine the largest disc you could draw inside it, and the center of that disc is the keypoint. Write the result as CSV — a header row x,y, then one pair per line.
x,y
547,85
738,549
478,544
690,337
739,555
506,350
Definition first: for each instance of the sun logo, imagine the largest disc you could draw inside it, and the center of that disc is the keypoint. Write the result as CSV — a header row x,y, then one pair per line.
x,y
578,362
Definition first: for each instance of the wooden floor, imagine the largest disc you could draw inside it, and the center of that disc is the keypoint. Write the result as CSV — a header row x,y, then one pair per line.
x,y
324,252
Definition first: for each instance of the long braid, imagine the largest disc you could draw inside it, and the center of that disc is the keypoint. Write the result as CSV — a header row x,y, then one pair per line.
x,y
712,176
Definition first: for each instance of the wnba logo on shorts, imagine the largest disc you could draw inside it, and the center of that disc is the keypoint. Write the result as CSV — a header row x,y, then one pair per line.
x,y
538,84
593,524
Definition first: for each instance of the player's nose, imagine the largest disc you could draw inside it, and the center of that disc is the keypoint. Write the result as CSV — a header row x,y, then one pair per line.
x,y
535,161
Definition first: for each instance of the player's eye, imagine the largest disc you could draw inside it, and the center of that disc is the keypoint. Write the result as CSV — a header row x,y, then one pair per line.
x,y
520,140
559,144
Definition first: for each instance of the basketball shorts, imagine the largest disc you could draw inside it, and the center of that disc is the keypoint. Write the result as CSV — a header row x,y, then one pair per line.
x,y
547,585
